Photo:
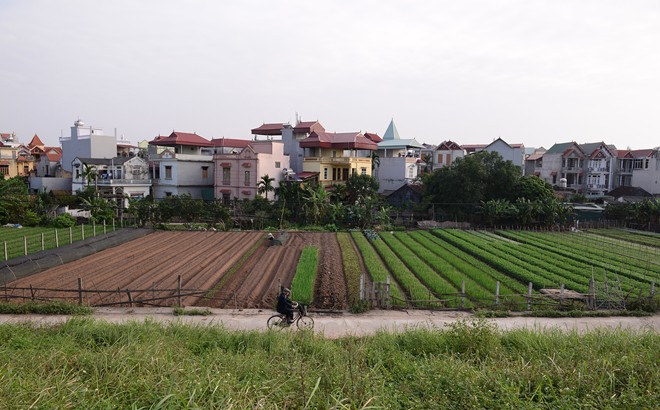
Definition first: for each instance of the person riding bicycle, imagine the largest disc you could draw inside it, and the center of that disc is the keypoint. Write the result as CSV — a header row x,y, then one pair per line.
x,y
285,305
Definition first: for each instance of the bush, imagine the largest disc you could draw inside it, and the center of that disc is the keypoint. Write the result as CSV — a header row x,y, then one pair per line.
x,y
44,308
63,221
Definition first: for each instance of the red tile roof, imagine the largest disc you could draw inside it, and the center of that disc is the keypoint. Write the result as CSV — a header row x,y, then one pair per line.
x,y
181,138
374,137
269,129
350,140
36,142
638,153
230,142
308,127
448,146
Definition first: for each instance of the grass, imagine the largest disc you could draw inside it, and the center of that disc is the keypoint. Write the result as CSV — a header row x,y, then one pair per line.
x,y
468,364
179,311
44,308
16,239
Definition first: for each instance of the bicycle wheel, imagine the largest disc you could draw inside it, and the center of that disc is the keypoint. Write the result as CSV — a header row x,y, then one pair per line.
x,y
276,322
305,323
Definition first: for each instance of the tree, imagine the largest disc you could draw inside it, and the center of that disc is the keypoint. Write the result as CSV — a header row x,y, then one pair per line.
x,y
14,200
468,181
428,163
316,201
375,160
265,185
90,174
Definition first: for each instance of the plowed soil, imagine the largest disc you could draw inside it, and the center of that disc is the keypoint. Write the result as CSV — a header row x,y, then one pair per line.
x,y
257,282
209,263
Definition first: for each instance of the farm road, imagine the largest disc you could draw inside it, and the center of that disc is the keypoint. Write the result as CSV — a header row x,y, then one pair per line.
x,y
346,324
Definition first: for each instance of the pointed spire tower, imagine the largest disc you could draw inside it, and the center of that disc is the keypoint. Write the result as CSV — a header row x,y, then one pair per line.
x,y
392,133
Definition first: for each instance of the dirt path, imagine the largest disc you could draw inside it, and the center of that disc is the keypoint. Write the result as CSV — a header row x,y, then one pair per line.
x,y
346,324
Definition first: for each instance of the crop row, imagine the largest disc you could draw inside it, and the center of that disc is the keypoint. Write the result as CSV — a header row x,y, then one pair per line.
x,y
416,290
375,266
302,286
434,257
484,275
569,246
643,238
351,264
519,269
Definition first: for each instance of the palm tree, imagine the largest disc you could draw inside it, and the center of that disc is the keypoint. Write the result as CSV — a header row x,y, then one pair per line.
x,y
375,160
89,174
428,162
265,185
316,199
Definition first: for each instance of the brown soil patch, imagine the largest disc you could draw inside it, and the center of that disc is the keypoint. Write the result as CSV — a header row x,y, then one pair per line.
x,y
257,282
148,268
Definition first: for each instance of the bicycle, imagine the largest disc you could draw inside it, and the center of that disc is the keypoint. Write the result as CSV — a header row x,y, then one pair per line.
x,y
300,318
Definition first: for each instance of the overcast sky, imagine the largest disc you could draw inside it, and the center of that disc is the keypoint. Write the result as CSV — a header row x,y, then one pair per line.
x,y
531,72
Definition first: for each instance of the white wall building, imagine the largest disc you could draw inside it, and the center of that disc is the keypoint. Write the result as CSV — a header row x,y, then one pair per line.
x,y
86,142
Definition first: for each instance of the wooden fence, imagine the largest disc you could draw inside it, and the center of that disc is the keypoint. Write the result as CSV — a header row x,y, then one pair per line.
x,y
378,296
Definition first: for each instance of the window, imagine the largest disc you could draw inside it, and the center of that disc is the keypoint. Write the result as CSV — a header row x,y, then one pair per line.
x,y
247,178
277,164
226,198
363,171
205,172
4,169
325,173
168,172
226,175
168,194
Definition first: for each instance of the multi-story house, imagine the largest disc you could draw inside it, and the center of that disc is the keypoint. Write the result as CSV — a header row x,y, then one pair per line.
x,y
587,168
86,142
47,159
640,169
118,178
509,152
181,163
600,167
331,158
399,160
237,174
291,137
446,153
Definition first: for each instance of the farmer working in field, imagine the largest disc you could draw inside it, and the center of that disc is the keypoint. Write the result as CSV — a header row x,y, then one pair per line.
x,y
285,305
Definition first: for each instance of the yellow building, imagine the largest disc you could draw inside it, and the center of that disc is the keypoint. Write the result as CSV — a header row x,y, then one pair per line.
x,y
334,157
15,159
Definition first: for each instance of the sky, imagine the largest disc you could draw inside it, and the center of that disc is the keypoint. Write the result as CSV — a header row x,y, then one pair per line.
x,y
470,71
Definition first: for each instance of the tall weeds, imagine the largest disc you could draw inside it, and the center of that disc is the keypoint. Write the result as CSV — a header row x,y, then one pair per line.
x,y
93,365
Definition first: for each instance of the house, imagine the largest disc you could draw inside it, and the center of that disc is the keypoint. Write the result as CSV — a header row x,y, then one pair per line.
x,y
446,153
331,158
291,137
407,196
534,162
638,168
86,142
16,160
237,174
399,160
587,168
181,163
117,178
629,194
509,152
600,168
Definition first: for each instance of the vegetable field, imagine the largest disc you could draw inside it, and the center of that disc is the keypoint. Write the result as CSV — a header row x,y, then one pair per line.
x,y
442,268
